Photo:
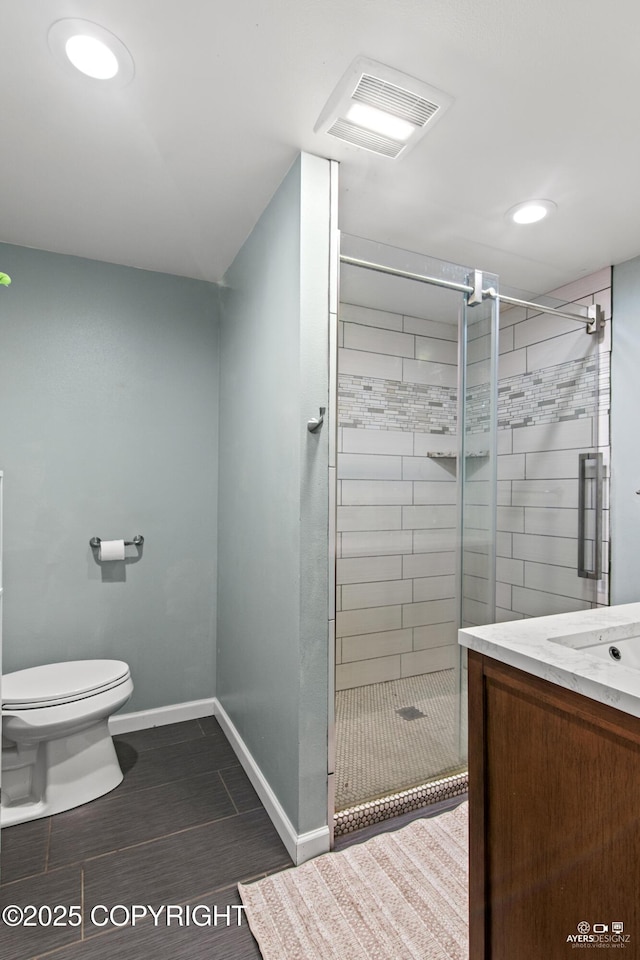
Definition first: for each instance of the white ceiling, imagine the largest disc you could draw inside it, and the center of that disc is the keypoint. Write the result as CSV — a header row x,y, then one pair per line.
x,y
171,172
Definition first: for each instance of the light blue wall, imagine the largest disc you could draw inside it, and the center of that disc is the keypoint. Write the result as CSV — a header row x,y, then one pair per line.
x,y
108,428
625,445
273,503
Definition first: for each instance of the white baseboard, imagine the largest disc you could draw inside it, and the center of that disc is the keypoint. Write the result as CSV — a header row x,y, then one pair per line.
x,y
300,846
161,716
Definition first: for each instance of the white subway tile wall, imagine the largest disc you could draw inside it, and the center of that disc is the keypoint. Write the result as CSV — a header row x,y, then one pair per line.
x,y
397,513
397,380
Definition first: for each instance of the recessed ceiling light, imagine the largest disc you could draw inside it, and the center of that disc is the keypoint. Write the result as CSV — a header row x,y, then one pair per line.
x,y
81,45
91,56
530,211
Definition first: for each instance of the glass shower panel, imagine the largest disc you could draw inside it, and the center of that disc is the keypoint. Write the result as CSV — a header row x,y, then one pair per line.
x,y
477,475
398,707
553,458
478,461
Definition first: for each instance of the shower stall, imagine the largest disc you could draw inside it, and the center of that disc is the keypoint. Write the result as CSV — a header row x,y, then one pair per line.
x,y
470,487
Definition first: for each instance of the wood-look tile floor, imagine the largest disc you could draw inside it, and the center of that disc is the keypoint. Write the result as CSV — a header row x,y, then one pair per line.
x,y
183,828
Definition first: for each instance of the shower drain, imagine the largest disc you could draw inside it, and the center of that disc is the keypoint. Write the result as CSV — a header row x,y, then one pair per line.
x,y
410,713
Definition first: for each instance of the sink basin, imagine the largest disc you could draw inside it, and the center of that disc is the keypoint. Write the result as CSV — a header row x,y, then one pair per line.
x,y
594,652
615,645
626,653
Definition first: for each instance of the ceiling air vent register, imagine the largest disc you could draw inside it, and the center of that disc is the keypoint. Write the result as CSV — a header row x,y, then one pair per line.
x,y
380,109
394,100
361,137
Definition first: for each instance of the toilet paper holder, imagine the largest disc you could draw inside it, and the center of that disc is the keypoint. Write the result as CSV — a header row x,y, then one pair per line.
x,y
136,542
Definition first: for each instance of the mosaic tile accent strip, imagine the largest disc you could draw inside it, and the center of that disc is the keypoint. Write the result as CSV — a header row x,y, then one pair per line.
x,y
566,391
366,814
391,405
379,752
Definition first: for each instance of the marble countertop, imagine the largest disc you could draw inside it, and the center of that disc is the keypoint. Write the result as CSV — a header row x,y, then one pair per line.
x,y
556,648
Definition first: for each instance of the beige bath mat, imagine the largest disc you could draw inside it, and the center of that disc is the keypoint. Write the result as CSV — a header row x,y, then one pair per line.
x,y
399,896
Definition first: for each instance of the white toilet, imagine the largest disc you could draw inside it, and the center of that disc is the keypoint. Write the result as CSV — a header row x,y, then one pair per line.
x,y
57,752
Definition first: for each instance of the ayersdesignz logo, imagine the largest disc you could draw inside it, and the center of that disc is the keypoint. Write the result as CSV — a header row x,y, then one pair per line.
x,y
600,935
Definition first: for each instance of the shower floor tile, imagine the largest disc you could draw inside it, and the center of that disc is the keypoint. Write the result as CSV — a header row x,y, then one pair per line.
x,y
396,735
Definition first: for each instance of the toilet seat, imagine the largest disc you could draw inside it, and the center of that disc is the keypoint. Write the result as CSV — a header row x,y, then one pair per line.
x,y
54,684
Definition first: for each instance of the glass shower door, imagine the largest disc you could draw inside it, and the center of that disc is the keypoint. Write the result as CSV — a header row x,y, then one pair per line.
x,y
477,475
401,528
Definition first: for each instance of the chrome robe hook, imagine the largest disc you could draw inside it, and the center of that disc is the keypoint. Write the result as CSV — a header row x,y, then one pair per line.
x,y
316,422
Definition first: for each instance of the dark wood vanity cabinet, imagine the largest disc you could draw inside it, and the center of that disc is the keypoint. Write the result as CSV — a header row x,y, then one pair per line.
x,y
554,820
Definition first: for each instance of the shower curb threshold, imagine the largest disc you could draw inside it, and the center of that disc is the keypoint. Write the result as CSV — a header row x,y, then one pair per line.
x,y
394,804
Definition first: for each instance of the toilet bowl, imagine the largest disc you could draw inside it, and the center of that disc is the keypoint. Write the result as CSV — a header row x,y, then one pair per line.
x,y
57,752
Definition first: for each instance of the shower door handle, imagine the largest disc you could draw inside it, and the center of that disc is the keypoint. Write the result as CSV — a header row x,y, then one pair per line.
x,y
590,499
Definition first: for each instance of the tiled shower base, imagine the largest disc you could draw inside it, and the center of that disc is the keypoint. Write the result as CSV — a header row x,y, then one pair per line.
x,y
397,748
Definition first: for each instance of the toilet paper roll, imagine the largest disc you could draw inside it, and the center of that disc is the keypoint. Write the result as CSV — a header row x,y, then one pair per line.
x,y
112,549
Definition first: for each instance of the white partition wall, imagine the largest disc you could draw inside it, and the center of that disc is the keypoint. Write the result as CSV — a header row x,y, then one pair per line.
x,y
1,603
273,617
